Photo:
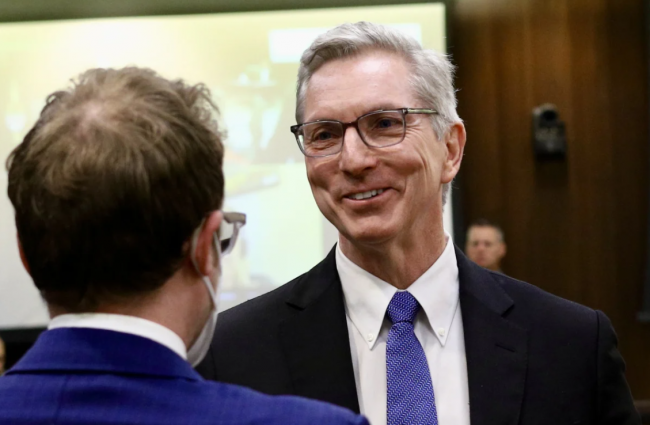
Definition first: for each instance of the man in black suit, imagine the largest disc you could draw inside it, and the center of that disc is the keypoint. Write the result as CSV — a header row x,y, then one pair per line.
x,y
396,322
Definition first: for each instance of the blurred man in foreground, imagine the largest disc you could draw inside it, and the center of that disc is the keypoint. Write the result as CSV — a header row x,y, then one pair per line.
x,y
485,245
3,356
117,191
396,322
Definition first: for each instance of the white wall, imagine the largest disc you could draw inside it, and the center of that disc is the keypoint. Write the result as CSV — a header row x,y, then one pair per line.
x,y
252,77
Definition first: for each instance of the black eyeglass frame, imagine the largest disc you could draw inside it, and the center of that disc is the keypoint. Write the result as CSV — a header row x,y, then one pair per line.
x,y
237,220
296,128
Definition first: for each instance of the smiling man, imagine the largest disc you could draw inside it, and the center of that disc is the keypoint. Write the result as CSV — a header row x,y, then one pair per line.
x,y
396,322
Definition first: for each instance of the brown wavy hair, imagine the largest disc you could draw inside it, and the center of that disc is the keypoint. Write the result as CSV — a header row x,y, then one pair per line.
x,y
110,183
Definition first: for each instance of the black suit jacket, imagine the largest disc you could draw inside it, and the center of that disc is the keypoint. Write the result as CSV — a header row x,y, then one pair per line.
x,y
532,358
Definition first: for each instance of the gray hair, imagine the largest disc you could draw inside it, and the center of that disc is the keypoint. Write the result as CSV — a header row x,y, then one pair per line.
x,y
483,222
431,78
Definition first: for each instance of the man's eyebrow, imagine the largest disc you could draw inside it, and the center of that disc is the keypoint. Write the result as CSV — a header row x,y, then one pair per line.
x,y
382,107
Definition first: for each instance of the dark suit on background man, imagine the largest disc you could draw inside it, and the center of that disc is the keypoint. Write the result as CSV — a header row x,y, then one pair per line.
x,y
530,355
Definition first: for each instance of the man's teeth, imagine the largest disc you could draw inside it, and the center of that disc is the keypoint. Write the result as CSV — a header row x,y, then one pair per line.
x,y
366,195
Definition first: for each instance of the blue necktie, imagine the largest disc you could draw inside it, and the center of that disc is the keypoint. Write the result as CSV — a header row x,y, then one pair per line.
x,y
410,391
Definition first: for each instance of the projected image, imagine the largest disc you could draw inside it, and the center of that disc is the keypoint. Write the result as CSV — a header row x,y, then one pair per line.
x,y
249,61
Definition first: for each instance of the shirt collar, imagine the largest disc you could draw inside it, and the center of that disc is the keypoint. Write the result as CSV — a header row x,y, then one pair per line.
x,y
367,297
125,324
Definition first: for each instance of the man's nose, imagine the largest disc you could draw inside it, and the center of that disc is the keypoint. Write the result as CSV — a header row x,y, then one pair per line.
x,y
356,157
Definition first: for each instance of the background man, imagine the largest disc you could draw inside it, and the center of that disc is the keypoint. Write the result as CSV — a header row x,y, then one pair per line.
x,y
117,191
396,322
485,245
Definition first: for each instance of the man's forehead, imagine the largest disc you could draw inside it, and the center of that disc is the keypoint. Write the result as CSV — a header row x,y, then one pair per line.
x,y
356,85
477,232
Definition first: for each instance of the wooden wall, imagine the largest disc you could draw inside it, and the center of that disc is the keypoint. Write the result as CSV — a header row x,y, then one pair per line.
x,y
576,228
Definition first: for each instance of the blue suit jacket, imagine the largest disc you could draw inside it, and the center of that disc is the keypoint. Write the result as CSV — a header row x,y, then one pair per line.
x,y
87,376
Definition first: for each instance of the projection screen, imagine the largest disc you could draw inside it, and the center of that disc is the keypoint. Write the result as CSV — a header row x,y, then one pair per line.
x,y
249,61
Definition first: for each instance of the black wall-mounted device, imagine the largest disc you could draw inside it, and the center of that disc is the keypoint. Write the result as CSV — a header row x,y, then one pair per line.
x,y
549,136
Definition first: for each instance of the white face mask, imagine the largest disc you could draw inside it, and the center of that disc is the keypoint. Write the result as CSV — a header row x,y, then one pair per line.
x,y
200,348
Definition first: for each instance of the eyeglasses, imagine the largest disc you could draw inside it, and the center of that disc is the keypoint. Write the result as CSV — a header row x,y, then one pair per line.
x,y
229,230
377,129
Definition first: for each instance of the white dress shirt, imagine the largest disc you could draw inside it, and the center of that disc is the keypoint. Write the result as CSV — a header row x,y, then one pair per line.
x,y
438,326
125,324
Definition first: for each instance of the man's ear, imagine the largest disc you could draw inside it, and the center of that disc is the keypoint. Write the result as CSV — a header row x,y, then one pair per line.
x,y
455,144
204,251
22,254
504,249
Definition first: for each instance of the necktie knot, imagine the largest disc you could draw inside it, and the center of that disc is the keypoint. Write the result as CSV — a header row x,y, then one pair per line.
x,y
403,308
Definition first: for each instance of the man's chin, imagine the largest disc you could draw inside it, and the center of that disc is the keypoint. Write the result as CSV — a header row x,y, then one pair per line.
x,y
369,235
486,265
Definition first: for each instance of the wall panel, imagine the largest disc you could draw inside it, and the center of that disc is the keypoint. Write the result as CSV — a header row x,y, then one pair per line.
x,y
576,227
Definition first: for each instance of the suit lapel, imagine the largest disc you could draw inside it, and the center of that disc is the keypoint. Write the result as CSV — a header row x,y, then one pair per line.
x,y
316,343
315,340
496,349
